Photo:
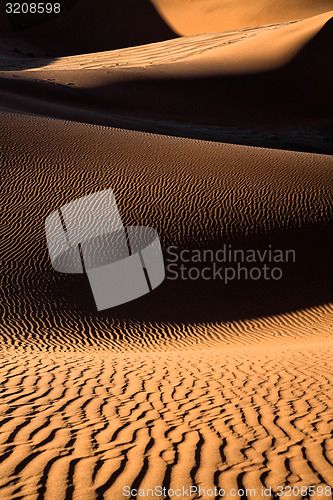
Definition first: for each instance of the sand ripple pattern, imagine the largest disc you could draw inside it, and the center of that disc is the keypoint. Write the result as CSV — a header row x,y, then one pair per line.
x,y
84,425
195,194
172,391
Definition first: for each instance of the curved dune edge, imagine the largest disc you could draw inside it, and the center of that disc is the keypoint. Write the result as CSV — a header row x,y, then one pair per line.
x,y
271,50
270,78
85,28
188,17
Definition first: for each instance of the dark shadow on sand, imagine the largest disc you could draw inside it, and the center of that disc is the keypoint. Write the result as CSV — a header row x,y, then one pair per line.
x,y
89,26
306,282
297,95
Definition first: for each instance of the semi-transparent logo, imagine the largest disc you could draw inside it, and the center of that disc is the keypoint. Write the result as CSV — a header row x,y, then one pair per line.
x,y
87,236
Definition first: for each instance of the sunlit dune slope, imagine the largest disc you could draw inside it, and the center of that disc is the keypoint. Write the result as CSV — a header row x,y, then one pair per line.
x,y
187,17
85,424
231,52
89,26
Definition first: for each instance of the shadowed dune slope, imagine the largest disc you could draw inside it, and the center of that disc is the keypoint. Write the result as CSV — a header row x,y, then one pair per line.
x,y
188,17
196,194
95,26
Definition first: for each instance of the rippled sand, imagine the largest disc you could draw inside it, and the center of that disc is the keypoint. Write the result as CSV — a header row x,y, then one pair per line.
x,y
170,390
198,383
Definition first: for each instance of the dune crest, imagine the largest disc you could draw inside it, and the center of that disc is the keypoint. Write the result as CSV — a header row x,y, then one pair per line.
x,y
91,27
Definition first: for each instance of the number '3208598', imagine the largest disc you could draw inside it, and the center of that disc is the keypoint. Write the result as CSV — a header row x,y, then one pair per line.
x,y
33,8
309,491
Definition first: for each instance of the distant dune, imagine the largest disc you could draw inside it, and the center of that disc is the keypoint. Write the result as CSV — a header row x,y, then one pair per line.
x,y
263,78
91,27
188,17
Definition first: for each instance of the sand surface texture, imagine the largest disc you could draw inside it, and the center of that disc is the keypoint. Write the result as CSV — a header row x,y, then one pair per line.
x,y
264,86
198,383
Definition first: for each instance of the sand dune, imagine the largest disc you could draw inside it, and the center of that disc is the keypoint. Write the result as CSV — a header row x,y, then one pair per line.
x,y
199,383
175,389
91,27
158,53
88,424
268,78
134,22
250,50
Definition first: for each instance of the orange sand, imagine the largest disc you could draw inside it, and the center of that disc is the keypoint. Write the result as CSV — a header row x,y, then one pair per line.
x,y
198,383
